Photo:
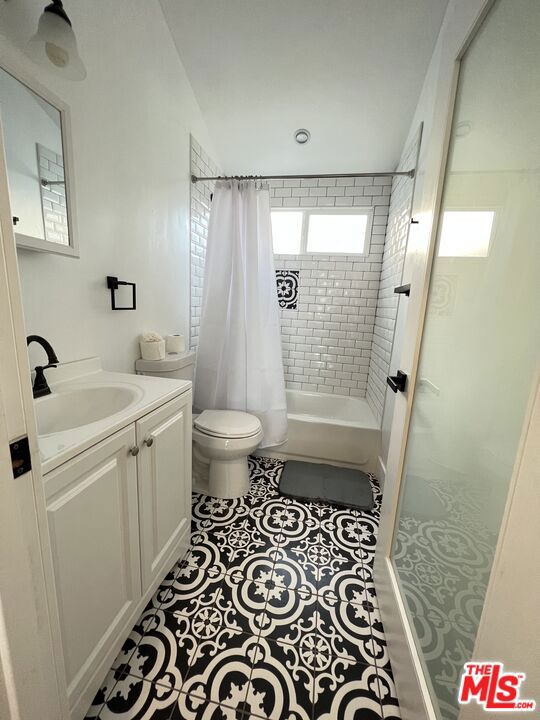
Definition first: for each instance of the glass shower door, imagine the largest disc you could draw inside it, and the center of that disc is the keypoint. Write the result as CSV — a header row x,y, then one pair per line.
x,y
479,350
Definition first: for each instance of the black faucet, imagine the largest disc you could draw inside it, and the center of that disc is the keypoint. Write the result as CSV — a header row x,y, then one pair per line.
x,y
40,387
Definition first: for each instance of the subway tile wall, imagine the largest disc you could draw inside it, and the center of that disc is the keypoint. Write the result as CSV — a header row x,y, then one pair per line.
x,y
338,340
53,198
395,246
327,340
201,165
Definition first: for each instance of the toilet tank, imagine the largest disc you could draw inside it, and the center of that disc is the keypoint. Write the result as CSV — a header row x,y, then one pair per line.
x,y
177,366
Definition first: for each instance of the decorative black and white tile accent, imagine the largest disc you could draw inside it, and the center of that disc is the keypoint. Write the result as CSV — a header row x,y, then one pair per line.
x,y
271,614
287,288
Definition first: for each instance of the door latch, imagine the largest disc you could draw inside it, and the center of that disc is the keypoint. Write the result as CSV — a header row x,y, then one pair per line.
x,y
20,456
397,382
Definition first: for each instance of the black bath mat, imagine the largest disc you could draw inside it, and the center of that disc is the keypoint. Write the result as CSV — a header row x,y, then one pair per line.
x,y
327,483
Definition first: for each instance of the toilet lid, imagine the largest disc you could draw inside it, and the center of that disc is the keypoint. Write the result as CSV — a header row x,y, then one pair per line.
x,y
227,423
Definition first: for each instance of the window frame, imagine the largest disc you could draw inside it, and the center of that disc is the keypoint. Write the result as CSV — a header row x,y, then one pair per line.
x,y
307,212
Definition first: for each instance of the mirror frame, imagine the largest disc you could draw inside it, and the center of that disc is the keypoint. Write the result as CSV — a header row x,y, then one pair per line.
x,y
27,242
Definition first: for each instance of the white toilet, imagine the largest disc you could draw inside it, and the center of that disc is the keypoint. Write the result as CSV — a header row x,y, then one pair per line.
x,y
226,438
222,439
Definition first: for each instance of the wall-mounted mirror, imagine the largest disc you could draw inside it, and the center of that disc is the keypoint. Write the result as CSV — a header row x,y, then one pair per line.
x,y
36,134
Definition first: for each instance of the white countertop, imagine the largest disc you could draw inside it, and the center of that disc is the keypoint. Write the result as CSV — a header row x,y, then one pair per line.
x,y
149,394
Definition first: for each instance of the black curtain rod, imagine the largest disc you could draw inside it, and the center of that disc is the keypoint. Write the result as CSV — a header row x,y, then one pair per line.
x,y
405,173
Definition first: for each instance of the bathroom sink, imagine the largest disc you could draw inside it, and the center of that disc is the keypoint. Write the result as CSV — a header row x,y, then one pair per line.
x,y
72,408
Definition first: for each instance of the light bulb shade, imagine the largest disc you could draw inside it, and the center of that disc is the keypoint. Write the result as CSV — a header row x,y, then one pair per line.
x,y
54,44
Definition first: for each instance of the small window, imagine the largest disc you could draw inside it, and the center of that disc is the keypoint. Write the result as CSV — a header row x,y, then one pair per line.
x,y
321,232
287,232
336,233
466,233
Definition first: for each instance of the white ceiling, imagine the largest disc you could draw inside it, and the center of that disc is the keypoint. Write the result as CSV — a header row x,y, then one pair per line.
x,y
348,70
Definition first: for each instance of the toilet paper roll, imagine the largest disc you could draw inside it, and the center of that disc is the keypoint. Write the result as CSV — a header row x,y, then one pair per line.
x,y
176,343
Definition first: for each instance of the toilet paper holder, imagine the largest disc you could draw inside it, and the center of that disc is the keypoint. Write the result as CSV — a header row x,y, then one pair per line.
x,y
113,284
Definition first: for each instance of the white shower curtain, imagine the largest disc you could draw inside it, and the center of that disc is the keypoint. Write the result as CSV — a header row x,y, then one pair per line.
x,y
239,360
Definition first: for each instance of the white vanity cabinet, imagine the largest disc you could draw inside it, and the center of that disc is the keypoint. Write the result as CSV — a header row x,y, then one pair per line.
x,y
119,517
164,463
93,515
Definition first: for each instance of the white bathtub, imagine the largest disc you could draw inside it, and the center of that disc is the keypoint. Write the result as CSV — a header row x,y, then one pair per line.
x,y
330,428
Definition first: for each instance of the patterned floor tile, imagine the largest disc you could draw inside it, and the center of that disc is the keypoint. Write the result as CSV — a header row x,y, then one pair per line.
x,y
388,695
281,685
271,613
368,529
304,551
288,615
342,527
220,512
242,603
168,648
264,479
221,675
103,693
380,649
210,548
192,589
271,514
321,510
136,699
163,591
265,468
258,566
202,510
191,707
347,629
334,556
135,636
290,574
248,538
145,624
351,693
354,585
298,524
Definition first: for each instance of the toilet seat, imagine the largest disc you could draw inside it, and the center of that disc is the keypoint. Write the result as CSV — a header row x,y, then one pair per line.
x,y
227,424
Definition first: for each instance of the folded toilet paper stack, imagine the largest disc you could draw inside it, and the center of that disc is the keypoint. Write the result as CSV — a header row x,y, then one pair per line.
x,y
152,346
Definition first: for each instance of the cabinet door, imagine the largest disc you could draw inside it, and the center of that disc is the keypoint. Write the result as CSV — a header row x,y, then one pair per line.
x,y
164,465
93,523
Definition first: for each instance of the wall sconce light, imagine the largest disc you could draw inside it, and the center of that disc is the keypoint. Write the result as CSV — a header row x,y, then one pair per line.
x,y
55,44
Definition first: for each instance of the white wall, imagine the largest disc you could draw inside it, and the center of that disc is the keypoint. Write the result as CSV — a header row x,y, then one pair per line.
x,y
131,120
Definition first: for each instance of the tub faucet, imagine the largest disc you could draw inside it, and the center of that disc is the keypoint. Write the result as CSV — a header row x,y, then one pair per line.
x,y
40,387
